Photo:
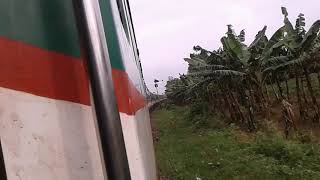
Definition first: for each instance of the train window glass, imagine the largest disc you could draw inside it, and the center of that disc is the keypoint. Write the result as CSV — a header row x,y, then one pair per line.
x,y
3,174
125,15
122,10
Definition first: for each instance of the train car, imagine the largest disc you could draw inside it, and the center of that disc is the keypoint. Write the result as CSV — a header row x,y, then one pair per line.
x,y
72,94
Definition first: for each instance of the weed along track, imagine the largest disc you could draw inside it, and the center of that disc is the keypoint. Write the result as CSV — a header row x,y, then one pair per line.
x,y
216,150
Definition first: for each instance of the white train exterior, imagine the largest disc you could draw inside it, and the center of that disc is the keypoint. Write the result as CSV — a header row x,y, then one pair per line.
x,y
48,104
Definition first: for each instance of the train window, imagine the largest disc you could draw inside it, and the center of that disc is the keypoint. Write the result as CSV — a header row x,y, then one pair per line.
x,y
125,16
3,174
122,11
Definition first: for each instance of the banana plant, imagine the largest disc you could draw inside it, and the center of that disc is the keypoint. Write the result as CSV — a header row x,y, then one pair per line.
x,y
236,76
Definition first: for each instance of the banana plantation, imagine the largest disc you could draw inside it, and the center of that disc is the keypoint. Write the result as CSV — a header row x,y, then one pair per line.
x,y
247,84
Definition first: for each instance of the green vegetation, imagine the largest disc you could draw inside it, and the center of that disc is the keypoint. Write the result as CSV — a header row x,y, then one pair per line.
x,y
215,150
274,78
245,111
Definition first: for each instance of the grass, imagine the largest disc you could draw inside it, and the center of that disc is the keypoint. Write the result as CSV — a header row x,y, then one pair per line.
x,y
224,152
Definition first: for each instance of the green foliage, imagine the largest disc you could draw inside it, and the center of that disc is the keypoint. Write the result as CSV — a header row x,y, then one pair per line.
x,y
201,118
259,41
234,47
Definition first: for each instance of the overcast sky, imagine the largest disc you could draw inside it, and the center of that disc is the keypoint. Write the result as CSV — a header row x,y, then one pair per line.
x,y
167,30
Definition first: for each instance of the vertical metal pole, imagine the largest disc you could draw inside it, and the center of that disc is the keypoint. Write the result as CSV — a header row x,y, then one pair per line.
x,y
95,51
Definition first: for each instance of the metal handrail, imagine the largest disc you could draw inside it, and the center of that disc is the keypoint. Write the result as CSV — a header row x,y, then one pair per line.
x,y
95,51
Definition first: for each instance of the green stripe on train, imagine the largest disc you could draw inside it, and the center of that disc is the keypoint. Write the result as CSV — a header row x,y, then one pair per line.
x,y
110,31
50,25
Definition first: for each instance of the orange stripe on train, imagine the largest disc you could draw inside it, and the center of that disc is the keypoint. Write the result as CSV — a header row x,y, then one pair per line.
x,y
57,76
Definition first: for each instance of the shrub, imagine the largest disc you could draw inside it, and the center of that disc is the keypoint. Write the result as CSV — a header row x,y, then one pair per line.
x,y
200,116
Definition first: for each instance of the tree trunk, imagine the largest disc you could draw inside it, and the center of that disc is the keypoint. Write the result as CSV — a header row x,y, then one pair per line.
x,y
221,106
238,107
232,116
318,75
306,103
301,111
261,100
314,100
234,108
267,94
212,102
287,89
273,89
279,87
250,108
267,103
